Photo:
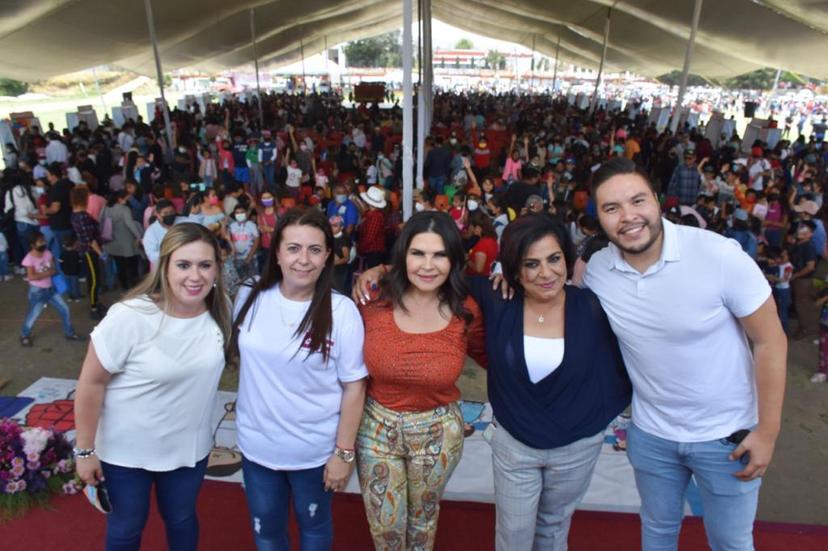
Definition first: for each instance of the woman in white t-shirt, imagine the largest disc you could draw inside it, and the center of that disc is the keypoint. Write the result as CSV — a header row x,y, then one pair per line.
x,y
147,389
302,384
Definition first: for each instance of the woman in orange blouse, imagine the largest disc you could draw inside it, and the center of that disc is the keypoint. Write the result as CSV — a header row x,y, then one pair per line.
x,y
416,338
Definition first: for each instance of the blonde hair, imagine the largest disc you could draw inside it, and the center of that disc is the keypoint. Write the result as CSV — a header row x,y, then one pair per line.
x,y
156,285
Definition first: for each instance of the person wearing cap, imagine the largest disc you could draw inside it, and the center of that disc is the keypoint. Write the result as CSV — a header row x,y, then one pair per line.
x,y
758,169
808,210
740,231
685,182
371,243
804,259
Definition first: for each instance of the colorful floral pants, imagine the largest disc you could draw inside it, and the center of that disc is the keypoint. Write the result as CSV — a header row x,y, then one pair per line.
x,y
404,460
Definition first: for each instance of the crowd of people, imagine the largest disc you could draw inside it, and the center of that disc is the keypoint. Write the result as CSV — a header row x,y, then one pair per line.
x,y
241,242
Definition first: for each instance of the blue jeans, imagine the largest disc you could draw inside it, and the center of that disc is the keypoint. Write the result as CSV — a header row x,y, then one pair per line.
x,y
23,232
38,298
662,473
4,263
175,492
55,245
270,177
268,496
74,286
437,183
783,305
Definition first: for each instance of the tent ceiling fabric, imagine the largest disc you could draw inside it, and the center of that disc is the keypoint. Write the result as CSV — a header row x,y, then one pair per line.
x,y
43,38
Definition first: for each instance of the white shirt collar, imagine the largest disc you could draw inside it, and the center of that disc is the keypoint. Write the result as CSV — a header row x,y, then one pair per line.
x,y
669,251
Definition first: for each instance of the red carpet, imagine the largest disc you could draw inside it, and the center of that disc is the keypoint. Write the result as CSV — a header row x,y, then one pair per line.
x,y
72,525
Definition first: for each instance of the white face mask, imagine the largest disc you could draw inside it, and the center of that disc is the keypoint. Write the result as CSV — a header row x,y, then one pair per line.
x,y
473,205
340,198
418,207
38,191
241,217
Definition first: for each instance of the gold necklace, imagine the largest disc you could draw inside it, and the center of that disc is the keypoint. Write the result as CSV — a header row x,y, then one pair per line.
x,y
541,319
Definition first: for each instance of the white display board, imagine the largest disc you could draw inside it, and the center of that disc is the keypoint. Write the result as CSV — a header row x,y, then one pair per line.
x,y
612,487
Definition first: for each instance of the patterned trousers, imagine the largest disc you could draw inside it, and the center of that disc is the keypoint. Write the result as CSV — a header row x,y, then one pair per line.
x,y
404,461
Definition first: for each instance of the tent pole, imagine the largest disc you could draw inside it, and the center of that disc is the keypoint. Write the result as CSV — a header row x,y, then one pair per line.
x,y
408,114
428,65
688,57
327,70
98,86
555,72
302,55
776,81
170,139
256,64
532,74
594,101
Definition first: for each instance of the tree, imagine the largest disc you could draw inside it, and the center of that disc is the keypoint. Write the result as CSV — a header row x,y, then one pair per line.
x,y
464,44
9,87
762,79
495,59
674,79
379,51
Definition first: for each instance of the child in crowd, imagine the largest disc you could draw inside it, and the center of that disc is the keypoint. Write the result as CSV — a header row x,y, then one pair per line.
x,y
779,275
342,256
229,273
244,235
5,273
70,265
458,210
40,267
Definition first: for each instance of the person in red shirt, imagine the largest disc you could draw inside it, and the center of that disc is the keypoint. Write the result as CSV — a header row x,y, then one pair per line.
x,y
484,252
371,243
417,335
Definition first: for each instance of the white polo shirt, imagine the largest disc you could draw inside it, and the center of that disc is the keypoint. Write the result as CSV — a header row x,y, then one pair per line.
x,y
677,325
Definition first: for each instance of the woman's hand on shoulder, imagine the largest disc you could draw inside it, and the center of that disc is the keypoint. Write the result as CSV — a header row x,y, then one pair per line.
x,y
367,285
499,282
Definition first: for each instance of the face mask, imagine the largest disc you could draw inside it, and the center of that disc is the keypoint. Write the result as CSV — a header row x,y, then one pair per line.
x,y
473,205
42,162
418,207
340,198
241,217
168,220
182,149
213,200
40,248
267,202
38,191
453,141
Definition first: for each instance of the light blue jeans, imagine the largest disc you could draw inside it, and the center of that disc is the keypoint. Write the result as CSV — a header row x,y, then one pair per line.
x,y
662,473
537,491
38,298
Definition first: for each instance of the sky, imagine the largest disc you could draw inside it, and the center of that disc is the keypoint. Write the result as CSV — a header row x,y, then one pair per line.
x,y
445,36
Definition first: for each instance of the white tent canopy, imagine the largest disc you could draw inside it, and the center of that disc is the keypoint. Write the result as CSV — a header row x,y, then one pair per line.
x,y
42,38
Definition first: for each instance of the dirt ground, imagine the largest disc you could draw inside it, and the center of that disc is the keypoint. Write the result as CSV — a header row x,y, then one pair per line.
x,y
795,488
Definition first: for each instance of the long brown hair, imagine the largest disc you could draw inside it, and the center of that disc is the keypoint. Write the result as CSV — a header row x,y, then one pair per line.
x,y
157,286
318,320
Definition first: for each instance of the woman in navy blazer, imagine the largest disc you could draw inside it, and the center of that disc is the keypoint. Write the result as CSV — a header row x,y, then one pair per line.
x,y
556,379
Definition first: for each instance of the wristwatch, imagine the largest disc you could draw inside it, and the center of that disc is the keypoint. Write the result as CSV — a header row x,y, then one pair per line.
x,y
347,456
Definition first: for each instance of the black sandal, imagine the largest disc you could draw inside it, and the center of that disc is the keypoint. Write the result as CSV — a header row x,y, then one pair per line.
x,y
26,341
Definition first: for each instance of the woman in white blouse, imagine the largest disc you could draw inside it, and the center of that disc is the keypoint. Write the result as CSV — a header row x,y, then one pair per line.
x,y
147,389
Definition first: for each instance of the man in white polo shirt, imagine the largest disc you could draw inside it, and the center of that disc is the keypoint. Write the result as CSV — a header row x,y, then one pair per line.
x,y
683,303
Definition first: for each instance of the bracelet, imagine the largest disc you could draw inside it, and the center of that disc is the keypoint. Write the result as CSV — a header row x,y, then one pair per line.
x,y
83,453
